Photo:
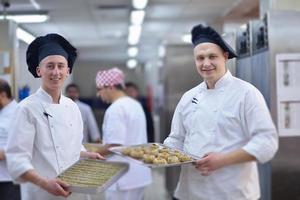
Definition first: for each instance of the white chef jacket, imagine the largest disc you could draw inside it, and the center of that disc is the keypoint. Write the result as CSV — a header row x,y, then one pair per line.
x,y
7,114
46,137
90,127
125,123
234,115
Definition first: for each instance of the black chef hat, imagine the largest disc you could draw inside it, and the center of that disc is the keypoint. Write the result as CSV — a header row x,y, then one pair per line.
x,y
51,44
201,34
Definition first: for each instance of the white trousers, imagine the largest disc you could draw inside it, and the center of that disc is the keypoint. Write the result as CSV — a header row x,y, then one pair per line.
x,y
133,194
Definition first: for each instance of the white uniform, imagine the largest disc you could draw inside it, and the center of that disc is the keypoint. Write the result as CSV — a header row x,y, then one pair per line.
x,y
231,116
90,127
124,123
7,114
46,137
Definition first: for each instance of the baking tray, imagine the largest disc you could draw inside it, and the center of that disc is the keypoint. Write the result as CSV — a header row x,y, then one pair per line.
x,y
121,150
94,147
92,176
97,148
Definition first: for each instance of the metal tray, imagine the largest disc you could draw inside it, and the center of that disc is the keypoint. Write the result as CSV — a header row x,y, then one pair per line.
x,y
82,170
120,149
97,148
94,147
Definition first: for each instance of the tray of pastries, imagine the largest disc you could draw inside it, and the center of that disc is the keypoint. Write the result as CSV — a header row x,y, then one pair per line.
x,y
94,147
93,176
97,148
154,155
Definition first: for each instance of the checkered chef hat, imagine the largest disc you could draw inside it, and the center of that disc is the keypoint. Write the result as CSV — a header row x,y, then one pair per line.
x,y
110,77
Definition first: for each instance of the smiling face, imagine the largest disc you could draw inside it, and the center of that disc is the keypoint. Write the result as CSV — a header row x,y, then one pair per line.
x,y
53,71
210,62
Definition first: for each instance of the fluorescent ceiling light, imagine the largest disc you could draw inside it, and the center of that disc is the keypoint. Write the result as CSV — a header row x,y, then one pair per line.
x,y
161,51
243,26
137,17
134,34
187,38
132,51
24,36
35,4
139,4
131,63
26,18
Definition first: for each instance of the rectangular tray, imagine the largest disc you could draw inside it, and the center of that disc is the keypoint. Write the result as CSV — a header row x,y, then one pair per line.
x,y
97,148
94,147
119,149
83,169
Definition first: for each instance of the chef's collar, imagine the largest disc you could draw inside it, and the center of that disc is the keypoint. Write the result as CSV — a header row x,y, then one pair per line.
x,y
222,82
45,96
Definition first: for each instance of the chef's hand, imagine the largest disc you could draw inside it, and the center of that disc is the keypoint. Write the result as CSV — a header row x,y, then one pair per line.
x,y
210,162
91,155
56,187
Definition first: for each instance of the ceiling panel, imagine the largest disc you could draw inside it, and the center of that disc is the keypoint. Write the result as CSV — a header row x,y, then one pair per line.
x,y
99,28
164,11
20,5
62,5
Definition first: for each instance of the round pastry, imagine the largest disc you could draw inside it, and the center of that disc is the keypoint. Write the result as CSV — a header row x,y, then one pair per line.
x,y
147,158
164,150
147,150
126,151
154,146
177,153
139,148
136,153
172,159
184,158
163,155
154,152
160,161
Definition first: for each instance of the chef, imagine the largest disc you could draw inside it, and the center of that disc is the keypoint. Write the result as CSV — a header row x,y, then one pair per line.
x,y
8,106
124,123
224,121
46,135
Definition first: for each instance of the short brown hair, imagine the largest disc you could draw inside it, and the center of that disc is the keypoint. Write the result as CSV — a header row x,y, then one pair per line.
x,y
4,87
